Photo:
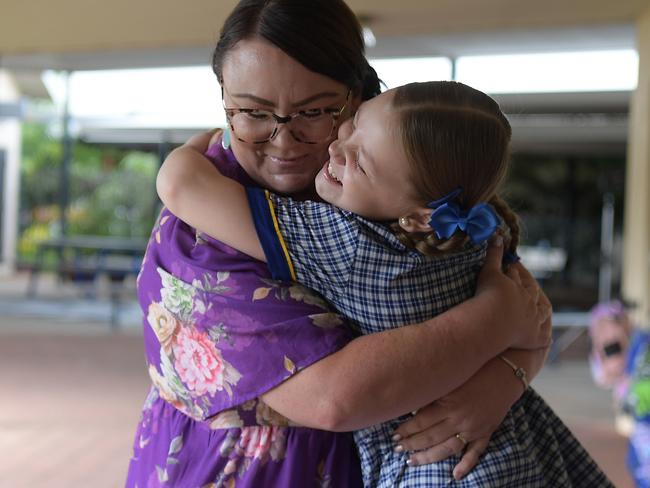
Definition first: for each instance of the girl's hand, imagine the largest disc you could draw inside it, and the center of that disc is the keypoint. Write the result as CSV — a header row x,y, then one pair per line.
x,y
439,430
216,136
515,301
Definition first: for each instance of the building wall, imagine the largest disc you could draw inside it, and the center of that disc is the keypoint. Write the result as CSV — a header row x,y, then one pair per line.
x,y
10,137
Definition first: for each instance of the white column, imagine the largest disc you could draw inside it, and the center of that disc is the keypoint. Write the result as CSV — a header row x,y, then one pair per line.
x,y
10,143
636,257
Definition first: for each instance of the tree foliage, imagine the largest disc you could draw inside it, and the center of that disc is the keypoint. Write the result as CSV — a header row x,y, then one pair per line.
x,y
112,190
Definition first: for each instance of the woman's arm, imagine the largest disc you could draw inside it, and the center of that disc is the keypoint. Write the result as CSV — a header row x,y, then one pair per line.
x,y
437,424
381,376
376,377
430,435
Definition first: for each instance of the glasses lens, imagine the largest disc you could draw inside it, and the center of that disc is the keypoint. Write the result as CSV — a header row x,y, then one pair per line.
x,y
312,126
253,126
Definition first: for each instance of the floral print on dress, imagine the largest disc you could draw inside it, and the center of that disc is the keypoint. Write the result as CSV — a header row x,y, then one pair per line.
x,y
226,420
200,365
294,291
164,324
327,320
177,297
191,365
265,415
254,446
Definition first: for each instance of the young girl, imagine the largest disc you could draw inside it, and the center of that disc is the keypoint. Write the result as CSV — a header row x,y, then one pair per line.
x,y
411,199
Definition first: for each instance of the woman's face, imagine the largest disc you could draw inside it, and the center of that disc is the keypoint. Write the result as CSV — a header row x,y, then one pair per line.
x,y
368,172
258,75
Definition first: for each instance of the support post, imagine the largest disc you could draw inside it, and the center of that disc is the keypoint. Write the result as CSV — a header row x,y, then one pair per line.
x,y
636,256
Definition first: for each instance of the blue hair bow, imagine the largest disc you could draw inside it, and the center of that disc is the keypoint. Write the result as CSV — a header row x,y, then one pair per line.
x,y
479,223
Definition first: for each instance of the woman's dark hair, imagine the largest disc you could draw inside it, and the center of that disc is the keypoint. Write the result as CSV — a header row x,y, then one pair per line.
x,y
322,35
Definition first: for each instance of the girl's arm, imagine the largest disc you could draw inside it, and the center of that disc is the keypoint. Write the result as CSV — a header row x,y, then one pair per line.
x,y
375,377
188,183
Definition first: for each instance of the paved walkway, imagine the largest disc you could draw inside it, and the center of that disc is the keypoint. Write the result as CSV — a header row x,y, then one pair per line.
x,y
71,401
72,392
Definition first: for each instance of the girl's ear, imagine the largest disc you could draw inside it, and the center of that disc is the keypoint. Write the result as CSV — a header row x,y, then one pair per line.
x,y
417,220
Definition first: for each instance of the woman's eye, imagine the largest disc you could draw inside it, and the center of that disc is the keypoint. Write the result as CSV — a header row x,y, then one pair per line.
x,y
258,115
311,113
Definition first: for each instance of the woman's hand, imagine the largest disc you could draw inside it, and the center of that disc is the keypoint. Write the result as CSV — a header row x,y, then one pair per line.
x,y
463,420
516,301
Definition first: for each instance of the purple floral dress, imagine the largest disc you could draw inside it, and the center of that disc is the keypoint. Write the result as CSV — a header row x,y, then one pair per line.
x,y
218,333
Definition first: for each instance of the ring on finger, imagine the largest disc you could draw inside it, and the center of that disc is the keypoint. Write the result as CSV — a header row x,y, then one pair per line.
x,y
461,439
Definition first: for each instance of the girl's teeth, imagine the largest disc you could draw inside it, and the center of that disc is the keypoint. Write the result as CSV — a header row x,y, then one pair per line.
x,y
331,170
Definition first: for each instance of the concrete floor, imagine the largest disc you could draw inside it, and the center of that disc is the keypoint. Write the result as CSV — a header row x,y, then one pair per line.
x,y
72,392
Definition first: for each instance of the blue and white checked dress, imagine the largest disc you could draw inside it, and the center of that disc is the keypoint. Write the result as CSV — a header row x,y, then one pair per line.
x,y
371,278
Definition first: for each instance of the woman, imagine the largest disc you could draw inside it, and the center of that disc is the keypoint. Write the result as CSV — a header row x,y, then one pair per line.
x,y
206,421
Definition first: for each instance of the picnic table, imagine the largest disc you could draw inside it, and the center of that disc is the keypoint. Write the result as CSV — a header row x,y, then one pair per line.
x,y
84,259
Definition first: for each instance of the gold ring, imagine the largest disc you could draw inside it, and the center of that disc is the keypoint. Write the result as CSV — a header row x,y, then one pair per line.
x,y
461,439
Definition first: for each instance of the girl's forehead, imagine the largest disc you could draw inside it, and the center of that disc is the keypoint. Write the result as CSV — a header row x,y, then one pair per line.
x,y
379,106
375,132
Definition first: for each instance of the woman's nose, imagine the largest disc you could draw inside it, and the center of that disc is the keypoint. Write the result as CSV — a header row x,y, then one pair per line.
x,y
283,137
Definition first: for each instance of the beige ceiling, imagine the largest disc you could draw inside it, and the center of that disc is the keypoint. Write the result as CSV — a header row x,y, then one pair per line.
x,y
29,27
96,34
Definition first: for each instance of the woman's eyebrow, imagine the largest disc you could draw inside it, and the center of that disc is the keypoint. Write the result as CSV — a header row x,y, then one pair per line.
x,y
253,98
315,97
269,103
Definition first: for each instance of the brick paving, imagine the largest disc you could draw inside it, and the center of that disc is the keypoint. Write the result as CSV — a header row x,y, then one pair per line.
x,y
73,403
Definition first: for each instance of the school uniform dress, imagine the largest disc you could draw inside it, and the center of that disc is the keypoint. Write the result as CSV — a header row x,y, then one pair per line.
x,y
377,283
218,333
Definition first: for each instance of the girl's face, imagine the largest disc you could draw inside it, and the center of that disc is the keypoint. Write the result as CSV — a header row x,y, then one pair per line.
x,y
368,172
258,75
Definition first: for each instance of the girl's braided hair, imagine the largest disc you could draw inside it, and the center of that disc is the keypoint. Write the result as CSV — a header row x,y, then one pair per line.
x,y
454,136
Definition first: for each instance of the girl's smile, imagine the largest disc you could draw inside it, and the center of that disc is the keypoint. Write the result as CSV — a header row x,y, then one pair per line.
x,y
330,174
367,172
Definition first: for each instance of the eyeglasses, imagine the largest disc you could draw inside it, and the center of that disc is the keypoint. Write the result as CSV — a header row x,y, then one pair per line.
x,y
311,126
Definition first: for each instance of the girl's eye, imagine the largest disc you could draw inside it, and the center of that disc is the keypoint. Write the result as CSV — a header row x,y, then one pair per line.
x,y
358,164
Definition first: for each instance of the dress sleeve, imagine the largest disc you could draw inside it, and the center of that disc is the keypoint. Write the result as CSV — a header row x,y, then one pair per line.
x,y
218,330
310,242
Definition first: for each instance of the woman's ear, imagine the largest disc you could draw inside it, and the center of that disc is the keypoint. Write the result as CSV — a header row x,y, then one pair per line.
x,y
417,220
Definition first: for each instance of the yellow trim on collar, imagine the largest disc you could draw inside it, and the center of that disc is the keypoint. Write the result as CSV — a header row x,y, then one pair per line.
x,y
287,257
